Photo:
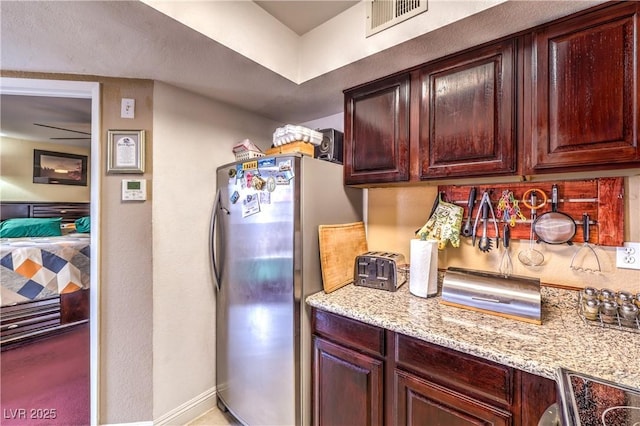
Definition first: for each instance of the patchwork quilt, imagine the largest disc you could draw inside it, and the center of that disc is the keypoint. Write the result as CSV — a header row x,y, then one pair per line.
x,y
37,268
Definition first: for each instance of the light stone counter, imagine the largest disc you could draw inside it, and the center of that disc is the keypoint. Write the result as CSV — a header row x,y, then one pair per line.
x,y
563,339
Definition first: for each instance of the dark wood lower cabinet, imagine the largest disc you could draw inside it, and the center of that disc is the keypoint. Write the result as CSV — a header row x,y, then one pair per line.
x,y
348,386
364,375
536,394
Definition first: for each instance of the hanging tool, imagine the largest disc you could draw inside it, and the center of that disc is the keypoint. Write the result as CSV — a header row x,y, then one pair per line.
x,y
506,266
554,227
586,247
485,207
531,256
466,231
508,209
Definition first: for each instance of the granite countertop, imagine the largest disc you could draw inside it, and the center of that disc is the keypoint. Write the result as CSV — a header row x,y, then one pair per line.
x,y
563,339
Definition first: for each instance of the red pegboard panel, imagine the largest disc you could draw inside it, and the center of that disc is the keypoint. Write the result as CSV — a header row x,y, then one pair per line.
x,y
601,198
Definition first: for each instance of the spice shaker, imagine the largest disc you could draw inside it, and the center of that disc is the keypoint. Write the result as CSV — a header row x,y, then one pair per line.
x,y
589,293
609,312
624,296
590,309
607,294
628,314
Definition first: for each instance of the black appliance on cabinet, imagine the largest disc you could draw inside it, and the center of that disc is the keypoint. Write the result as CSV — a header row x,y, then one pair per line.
x,y
330,149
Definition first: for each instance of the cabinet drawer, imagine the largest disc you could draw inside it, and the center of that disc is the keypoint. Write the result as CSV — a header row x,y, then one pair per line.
x,y
349,332
25,327
472,376
25,318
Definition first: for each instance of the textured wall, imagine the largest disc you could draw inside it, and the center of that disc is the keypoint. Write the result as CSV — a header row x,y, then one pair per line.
x,y
394,214
126,301
16,173
193,136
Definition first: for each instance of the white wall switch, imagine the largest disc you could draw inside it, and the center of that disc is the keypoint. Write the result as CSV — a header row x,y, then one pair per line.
x,y
127,109
628,257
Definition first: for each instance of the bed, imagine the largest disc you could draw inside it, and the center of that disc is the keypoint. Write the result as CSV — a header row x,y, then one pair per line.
x,y
44,281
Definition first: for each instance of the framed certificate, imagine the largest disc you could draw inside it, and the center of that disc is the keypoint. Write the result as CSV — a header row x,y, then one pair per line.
x,y
125,151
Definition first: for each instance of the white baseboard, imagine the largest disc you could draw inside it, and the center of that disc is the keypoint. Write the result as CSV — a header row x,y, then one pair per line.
x,y
188,411
130,424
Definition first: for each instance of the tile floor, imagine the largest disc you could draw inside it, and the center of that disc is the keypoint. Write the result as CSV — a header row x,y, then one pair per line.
x,y
214,417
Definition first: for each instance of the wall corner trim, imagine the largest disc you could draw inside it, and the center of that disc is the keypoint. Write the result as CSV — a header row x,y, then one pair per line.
x,y
188,411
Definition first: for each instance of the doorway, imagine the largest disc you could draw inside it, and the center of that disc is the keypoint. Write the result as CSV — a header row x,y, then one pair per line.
x,y
85,90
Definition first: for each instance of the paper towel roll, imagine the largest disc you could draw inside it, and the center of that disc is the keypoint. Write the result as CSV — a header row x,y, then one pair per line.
x,y
423,268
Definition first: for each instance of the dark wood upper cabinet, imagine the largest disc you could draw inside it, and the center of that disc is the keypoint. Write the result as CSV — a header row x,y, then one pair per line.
x,y
560,97
376,133
584,92
467,112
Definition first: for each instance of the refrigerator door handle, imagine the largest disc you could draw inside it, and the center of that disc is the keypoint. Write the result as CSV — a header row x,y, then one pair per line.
x,y
212,241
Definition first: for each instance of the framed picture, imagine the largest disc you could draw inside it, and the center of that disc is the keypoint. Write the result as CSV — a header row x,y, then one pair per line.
x,y
59,168
125,153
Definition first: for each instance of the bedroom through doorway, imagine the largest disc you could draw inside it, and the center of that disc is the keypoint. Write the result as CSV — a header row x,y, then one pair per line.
x,y
50,169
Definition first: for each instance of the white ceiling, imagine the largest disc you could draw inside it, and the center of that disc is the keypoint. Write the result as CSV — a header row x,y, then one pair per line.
x,y
303,16
130,39
68,120
49,119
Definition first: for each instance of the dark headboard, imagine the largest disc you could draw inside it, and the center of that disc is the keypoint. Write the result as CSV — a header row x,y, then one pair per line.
x,y
69,212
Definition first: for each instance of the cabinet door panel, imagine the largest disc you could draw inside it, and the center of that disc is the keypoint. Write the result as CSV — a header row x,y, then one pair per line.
x,y
348,386
586,90
466,114
377,132
420,402
536,394
466,95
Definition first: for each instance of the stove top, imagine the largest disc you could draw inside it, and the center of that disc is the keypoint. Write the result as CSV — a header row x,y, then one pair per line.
x,y
589,401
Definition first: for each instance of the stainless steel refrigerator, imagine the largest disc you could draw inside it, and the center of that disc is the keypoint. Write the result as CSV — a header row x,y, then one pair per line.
x,y
265,261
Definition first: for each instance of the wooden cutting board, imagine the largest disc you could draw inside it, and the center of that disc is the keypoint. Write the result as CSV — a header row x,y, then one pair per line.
x,y
339,247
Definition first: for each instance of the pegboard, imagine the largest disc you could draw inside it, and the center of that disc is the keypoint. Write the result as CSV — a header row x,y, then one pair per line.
x,y
601,198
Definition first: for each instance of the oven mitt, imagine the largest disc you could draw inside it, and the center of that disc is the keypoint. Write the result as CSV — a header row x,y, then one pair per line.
x,y
443,225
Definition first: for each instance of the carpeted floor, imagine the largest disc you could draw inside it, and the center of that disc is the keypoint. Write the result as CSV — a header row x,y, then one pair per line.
x,y
47,382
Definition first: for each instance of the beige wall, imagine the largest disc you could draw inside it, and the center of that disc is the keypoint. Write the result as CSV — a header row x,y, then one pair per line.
x,y
394,214
125,341
193,136
157,338
16,173
126,299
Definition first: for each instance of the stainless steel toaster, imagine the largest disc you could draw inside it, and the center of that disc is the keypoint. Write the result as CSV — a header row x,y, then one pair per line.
x,y
379,269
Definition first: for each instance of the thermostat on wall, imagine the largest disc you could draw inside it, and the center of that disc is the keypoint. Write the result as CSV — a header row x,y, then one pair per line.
x,y
134,189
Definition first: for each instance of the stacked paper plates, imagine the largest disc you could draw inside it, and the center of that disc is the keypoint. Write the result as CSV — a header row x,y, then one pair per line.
x,y
291,133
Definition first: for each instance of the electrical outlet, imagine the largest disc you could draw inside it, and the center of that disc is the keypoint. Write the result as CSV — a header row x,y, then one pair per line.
x,y
628,257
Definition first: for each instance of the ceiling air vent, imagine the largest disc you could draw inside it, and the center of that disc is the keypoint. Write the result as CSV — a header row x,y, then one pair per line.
x,y
382,14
